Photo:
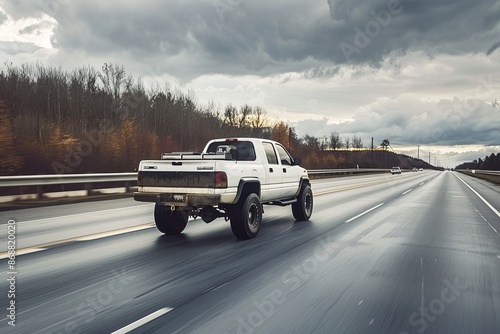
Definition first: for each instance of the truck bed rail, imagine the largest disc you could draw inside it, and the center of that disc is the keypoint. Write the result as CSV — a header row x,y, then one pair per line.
x,y
195,156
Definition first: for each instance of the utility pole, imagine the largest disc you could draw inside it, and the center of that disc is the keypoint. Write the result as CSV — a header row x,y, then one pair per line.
x,y
372,152
290,138
418,152
429,158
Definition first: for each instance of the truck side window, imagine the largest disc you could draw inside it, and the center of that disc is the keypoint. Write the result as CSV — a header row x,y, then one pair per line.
x,y
270,154
246,151
284,156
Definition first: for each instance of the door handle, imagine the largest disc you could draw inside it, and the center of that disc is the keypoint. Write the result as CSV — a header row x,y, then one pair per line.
x,y
271,170
284,170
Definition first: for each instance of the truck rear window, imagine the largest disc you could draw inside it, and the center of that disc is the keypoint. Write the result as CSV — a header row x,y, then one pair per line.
x,y
240,150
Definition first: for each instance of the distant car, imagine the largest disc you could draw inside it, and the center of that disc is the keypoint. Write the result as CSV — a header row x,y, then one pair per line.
x,y
420,169
415,169
395,170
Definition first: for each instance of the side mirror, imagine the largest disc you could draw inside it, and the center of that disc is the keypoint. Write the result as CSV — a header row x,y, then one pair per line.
x,y
297,161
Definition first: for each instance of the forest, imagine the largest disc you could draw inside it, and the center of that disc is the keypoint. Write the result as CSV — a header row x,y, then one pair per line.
x,y
54,121
491,162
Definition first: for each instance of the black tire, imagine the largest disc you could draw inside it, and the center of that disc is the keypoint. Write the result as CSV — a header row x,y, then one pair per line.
x,y
246,218
302,209
170,222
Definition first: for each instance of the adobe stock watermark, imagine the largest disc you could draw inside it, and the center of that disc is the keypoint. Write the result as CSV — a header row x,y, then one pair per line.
x,y
292,279
429,313
224,6
83,148
11,273
460,110
86,311
372,29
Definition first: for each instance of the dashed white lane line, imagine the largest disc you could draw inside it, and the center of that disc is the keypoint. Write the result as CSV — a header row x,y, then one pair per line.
x,y
364,213
143,321
494,230
421,184
406,192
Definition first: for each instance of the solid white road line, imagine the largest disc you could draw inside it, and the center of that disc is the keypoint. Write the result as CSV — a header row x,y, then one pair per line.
x,y
406,192
83,214
364,213
481,197
43,247
143,321
113,233
22,252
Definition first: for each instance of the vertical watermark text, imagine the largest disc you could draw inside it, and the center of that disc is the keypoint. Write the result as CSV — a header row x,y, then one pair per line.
x,y
11,273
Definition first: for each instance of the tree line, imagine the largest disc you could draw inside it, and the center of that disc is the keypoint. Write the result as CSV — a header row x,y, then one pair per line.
x,y
491,162
88,120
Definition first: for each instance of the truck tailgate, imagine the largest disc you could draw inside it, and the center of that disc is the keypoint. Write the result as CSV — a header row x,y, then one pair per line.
x,y
175,174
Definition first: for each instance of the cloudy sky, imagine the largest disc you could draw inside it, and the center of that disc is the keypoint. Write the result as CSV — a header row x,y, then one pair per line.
x,y
416,72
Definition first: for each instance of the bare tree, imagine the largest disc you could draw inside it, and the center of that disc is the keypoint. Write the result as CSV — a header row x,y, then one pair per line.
x,y
347,143
323,143
385,144
357,142
335,141
259,118
113,78
243,119
230,115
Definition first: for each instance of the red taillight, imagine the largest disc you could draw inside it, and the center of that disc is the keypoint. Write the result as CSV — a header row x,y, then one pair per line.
x,y
232,139
220,180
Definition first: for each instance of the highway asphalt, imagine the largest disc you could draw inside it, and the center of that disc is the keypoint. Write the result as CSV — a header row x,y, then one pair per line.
x,y
411,253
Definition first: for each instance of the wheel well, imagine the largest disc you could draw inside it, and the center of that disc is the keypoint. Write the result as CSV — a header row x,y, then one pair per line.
x,y
303,183
247,187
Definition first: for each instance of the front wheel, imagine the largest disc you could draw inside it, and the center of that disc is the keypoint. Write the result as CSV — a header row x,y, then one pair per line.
x,y
302,209
168,221
246,218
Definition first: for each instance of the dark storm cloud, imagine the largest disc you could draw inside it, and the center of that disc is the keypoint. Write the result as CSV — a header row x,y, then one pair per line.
x,y
446,125
265,37
493,48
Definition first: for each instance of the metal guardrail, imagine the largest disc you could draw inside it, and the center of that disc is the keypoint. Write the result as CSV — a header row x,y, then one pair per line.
x,y
478,171
346,170
40,181
489,172
488,175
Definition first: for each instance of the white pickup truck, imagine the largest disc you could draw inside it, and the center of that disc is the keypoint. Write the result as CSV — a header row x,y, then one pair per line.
x,y
231,178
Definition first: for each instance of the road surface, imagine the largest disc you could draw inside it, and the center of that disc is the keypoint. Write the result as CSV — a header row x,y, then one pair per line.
x,y
411,253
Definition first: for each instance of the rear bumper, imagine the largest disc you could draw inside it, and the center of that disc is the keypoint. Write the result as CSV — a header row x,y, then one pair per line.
x,y
177,199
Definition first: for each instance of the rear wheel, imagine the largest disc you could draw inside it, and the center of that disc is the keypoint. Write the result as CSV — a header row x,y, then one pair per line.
x,y
302,209
168,221
246,217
